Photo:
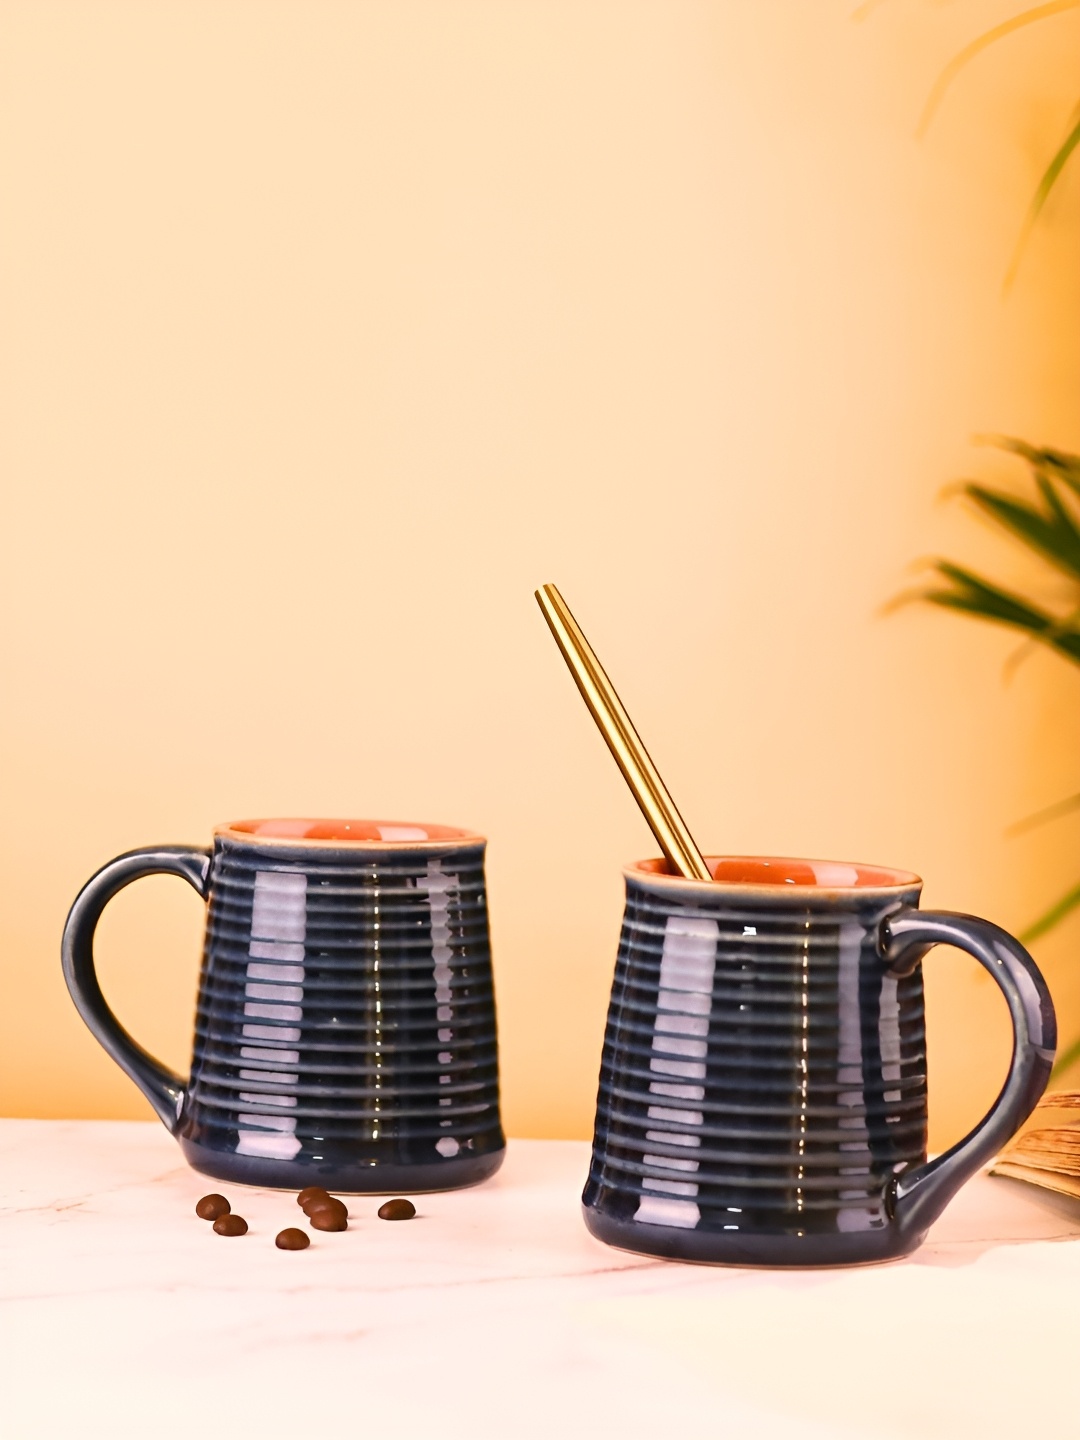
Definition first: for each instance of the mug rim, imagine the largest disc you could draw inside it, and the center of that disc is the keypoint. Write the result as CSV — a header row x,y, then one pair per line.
x,y
241,832
880,880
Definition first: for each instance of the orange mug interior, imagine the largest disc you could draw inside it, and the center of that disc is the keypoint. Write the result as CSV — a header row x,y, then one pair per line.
x,y
778,870
364,832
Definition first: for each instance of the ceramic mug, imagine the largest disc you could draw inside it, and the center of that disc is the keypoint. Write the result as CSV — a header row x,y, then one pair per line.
x,y
763,1091
345,1030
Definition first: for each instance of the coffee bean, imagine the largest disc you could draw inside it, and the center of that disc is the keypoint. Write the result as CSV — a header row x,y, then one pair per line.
x,y
313,1192
317,1201
397,1210
292,1239
327,1219
211,1206
230,1225
326,1202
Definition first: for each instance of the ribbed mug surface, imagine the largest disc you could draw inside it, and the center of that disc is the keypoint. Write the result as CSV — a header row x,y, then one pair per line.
x,y
763,1077
345,1030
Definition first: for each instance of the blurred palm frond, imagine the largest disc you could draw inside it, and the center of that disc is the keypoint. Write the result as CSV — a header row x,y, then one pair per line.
x,y
1057,912
1046,522
1049,526
1072,134
1042,192
978,45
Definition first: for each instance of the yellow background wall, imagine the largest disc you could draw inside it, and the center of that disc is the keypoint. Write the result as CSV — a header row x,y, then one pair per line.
x,y
332,329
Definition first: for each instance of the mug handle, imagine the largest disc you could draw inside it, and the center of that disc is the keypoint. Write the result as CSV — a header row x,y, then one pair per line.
x,y
165,1090
919,1196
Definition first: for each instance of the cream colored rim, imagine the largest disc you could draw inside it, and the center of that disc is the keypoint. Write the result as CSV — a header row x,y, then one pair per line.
x,y
461,839
898,883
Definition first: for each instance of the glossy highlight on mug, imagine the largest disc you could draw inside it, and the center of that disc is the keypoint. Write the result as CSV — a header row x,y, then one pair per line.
x,y
345,1029
763,1085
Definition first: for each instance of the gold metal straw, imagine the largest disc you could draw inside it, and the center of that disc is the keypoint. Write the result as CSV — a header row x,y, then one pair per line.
x,y
623,740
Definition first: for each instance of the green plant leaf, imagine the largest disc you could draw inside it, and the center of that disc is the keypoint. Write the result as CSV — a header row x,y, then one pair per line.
x,y
1043,817
1051,498
1066,1061
994,603
1063,517
1054,916
1063,467
1064,626
1066,466
975,596
1056,537
957,63
1046,184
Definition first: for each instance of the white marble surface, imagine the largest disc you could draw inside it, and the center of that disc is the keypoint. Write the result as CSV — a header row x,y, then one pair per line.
x,y
494,1313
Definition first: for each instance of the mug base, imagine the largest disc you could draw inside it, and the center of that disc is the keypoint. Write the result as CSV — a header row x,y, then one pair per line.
x,y
776,1251
379,1179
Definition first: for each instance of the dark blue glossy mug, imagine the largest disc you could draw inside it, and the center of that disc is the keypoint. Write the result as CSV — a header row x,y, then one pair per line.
x,y
763,1089
345,1030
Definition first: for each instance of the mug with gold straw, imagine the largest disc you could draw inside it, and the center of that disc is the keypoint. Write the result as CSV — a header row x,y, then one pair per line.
x,y
763,1086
